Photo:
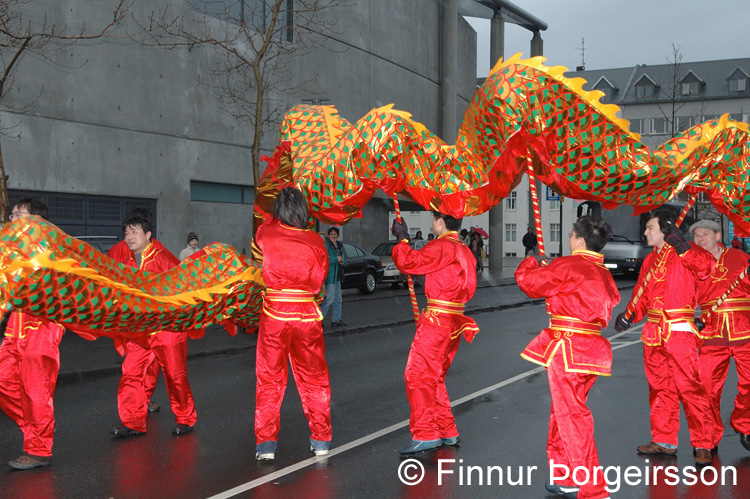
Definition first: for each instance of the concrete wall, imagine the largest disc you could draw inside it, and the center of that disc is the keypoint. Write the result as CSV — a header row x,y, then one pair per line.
x,y
388,53
117,118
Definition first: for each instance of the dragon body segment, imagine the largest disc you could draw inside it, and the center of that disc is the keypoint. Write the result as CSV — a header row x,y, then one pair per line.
x,y
49,274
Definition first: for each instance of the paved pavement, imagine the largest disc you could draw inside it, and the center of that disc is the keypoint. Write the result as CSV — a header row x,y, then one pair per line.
x,y
82,360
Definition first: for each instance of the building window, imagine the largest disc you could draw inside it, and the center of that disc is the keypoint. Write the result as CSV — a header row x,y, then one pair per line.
x,y
510,255
554,233
256,14
554,205
738,85
84,214
636,125
642,126
661,125
683,123
510,201
221,193
510,233
644,91
690,88
607,91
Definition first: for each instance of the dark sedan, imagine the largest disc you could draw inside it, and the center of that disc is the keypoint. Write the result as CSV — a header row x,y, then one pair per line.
x,y
363,270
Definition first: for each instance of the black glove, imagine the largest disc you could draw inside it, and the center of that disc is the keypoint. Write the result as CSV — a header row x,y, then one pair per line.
x,y
676,239
541,260
699,324
400,230
621,323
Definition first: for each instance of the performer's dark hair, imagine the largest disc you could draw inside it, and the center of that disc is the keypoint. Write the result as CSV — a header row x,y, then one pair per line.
x,y
667,216
34,207
136,221
594,231
333,229
451,223
142,213
290,207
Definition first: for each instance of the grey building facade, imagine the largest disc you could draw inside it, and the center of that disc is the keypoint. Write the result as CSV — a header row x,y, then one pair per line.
x,y
119,124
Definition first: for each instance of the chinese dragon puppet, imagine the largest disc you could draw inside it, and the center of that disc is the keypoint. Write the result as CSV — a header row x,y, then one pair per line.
x,y
525,118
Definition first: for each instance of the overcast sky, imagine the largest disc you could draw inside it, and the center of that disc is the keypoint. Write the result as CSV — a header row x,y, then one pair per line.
x,y
621,34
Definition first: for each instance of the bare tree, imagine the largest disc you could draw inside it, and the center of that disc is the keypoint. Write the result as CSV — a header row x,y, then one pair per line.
x,y
26,30
672,91
255,41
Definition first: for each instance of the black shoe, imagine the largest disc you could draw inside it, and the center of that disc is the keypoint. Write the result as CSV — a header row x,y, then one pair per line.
x,y
745,441
153,407
560,489
338,324
124,431
182,429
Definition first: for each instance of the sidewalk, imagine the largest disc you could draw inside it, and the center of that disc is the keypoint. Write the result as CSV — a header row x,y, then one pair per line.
x,y
81,360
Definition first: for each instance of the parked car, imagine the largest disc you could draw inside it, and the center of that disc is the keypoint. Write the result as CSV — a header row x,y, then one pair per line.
x,y
623,256
391,274
363,270
99,243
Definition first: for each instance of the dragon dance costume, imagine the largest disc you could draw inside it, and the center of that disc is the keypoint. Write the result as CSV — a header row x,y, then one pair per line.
x,y
170,349
670,344
450,282
726,335
580,294
29,363
295,264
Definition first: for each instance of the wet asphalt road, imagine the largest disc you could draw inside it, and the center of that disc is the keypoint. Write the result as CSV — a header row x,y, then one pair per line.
x,y
502,411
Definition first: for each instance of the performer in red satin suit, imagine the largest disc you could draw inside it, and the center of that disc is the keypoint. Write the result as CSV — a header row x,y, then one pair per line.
x,y
170,348
295,264
670,338
727,332
29,363
121,253
580,294
450,281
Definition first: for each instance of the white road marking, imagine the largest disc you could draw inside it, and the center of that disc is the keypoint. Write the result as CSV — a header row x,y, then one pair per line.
x,y
390,429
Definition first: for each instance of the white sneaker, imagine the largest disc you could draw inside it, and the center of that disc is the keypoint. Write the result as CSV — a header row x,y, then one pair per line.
x,y
320,447
266,456
266,451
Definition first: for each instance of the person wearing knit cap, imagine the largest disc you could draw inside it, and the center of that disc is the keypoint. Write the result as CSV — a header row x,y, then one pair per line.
x,y
726,334
192,246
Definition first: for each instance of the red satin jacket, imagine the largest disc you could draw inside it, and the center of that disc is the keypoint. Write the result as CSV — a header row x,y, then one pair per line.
x,y
293,259
155,258
448,265
671,295
580,294
731,321
450,274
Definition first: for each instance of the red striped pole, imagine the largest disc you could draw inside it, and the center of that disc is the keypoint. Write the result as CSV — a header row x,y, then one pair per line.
x,y
686,209
412,293
535,207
